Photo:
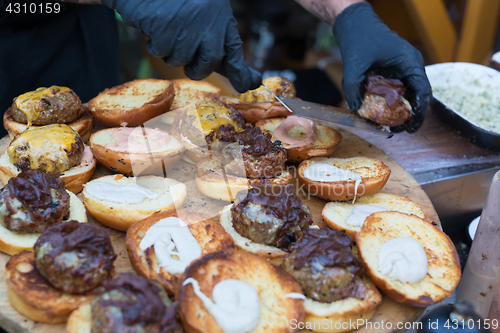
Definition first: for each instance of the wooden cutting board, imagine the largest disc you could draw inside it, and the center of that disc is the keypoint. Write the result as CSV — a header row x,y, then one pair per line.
x,y
400,183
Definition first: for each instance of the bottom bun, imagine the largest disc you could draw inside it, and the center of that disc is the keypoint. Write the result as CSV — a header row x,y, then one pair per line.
x,y
73,178
213,182
344,315
265,251
80,320
32,296
12,242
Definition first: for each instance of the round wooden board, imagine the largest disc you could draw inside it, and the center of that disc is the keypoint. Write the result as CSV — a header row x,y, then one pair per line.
x,y
400,182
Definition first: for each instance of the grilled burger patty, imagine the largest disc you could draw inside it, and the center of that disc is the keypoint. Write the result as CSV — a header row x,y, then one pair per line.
x,y
271,215
323,264
74,257
133,304
44,106
33,201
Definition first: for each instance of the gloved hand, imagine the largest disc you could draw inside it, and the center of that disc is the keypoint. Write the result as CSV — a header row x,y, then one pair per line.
x,y
198,34
367,45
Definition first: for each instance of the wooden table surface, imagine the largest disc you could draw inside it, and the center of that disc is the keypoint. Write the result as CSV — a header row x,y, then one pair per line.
x,y
400,182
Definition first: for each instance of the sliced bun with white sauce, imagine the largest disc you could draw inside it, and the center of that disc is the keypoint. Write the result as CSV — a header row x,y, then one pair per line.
x,y
118,202
192,234
136,151
343,179
261,295
350,217
302,138
408,258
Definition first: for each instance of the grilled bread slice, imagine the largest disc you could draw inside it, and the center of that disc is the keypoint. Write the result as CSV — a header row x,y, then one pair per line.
x,y
80,320
270,282
326,143
342,315
263,250
374,175
122,215
12,242
336,213
148,162
443,272
74,178
32,296
133,103
188,92
208,233
83,125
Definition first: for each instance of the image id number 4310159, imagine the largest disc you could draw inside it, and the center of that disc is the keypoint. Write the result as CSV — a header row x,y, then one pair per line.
x,y
470,324
33,7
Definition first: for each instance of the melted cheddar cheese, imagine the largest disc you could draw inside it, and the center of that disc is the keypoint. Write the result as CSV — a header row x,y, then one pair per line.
x,y
29,103
211,116
51,148
280,86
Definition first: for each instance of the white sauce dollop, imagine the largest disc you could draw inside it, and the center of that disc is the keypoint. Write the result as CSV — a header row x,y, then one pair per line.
x,y
235,306
168,234
403,259
120,193
360,213
295,296
324,172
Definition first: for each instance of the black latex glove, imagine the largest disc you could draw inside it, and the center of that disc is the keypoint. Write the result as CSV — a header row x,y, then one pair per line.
x,y
367,45
198,34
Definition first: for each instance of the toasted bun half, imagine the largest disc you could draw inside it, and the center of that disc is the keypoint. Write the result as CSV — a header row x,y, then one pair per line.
x,y
326,143
193,153
374,174
212,181
188,92
208,233
342,315
270,282
152,162
253,112
121,216
443,272
82,125
13,242
32,296
134,102
80,320
335,213
74,178
265,251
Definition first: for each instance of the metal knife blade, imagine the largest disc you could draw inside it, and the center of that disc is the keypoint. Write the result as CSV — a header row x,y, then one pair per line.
x,y
330,114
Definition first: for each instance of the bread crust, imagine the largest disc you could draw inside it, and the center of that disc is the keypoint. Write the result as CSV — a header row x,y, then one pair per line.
x,y
346,311
80,320
443,273
31,295
122,216
83,125
133,116
254,112
327,142
208,233
374,174
73,178
335,213
211,181
130,164
270,282
12,242
262,250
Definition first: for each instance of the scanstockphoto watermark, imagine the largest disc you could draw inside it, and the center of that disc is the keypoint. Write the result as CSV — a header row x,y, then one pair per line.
x,y
327,324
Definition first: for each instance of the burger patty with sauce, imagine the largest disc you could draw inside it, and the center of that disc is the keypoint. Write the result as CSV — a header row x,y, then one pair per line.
x,y
74,257
280,86
33,201
44,106
323,264
271,215
133,304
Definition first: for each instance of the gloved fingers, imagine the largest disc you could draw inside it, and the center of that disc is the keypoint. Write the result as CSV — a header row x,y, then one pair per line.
x,y
420,94
352,85
184,50
234,66
207,60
